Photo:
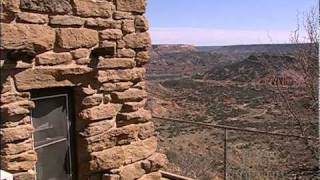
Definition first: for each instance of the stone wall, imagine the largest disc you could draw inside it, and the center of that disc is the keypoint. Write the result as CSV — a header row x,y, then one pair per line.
x,y
98,48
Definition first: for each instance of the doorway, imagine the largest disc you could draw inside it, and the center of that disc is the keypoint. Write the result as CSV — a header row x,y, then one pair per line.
x,y
53,135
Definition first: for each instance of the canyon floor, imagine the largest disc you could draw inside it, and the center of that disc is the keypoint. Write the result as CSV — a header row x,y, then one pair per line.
x,y
198,152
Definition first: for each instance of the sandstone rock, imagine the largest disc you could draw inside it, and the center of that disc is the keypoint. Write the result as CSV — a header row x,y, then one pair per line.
x,y
30,174
119,155
93,100
131,5
141,24
51,58
87,90
13,121
66,20
9,8
20,162
48,6
32,18
110,177
9,135
131,171
72,38
80,53
106,98
146,130
72,69
103,23
108,44
119,136
140,85
94,8
10,5
139,116
134,74
31,37
39,78
6,83
121,44
126,53
120,86
129,95
151,176
12,97
16,148
142,57
133,106
111,34
101,112
83,61
107,159
137,40
139,150
118,15
116,63
128,26
155,162
96,128
17,108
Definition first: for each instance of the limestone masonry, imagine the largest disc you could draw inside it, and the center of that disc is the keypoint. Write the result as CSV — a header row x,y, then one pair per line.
x,y
98,49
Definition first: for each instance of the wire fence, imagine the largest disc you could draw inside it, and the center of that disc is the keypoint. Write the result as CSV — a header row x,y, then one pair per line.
x,y
227,129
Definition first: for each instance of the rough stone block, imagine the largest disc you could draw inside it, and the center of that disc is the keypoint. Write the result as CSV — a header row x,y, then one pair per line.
x,y
80,53
17,108
34,18
137,40
93,100
131,5
126,53
116,63
135,74
139,150
94,8
12,97
18,133
47,6
66,20
119,86
107,159
151,176
101,112
51,58
39,78
31,37
141,24
142,58
139,116
111,34
118,15
129,95
133,106
20,162
103,23
96,128
131,171
72,38
128,26
16,148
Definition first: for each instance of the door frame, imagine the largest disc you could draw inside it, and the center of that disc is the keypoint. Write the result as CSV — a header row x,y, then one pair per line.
x,y
41,94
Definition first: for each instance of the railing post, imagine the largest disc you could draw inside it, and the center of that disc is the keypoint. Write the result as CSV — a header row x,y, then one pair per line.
x,y
225,153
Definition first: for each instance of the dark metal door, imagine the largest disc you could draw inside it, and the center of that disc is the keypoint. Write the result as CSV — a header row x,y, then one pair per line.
x,y
52,129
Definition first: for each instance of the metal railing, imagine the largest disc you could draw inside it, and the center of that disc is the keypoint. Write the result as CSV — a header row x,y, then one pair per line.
x,y
226,128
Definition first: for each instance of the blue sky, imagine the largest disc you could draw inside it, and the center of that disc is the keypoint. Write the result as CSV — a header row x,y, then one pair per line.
x,y
224,22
